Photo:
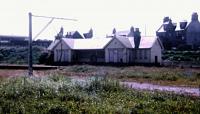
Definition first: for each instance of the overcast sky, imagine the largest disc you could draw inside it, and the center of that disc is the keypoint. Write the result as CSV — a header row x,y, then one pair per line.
x,y
101,15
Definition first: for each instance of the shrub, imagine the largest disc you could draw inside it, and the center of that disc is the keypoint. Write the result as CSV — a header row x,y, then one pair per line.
x,y
19,55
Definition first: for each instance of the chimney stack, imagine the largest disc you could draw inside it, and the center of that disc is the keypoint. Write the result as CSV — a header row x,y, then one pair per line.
x,y
137,38
131,33
195,16
91,33
183,24
166,19
114,31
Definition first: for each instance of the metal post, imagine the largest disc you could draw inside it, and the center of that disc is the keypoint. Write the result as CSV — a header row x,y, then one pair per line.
x,y
30,64
145,30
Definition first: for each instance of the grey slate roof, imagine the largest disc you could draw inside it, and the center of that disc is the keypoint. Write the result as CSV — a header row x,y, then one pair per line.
x,y
81,44
125,41
100,43
123,33
145,42
53,44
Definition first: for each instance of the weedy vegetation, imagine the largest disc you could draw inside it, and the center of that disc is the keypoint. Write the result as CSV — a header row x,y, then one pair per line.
x,y
96,95
156,75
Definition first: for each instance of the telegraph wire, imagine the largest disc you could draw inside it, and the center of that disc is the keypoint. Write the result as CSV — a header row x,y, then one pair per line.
x,y
30,58
42,30
54,17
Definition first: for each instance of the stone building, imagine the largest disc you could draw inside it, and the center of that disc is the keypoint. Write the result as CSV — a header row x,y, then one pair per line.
x,y
180,35
115,49
74,34
193,32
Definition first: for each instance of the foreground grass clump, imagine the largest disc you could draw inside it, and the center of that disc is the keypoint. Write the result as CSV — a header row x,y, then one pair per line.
x,y
58,94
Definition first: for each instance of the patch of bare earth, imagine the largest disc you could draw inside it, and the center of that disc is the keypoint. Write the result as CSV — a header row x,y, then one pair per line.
x,y
14,73
11,73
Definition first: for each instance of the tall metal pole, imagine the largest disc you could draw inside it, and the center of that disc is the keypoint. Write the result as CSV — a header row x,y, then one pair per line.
x,y
30,64
145,30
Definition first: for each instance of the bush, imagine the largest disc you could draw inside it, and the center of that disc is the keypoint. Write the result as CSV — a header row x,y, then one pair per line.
x,y
181,55
19,55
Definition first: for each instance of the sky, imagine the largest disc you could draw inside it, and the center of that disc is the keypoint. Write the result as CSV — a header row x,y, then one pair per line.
x,y
100,15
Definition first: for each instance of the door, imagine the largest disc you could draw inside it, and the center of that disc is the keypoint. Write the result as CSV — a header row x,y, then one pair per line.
x,y
156,59
111,55
65,55
120,55
115,56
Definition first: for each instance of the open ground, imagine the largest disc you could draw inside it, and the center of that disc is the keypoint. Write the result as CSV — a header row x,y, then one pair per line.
x,y
187,77
99,90
181,81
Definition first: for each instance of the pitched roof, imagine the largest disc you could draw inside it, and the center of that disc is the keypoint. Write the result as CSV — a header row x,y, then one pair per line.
x,y
145,42
53,44
100,43
123,33
125,41
94,43
71,34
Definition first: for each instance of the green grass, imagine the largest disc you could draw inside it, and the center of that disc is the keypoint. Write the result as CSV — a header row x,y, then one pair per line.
x,y
59,94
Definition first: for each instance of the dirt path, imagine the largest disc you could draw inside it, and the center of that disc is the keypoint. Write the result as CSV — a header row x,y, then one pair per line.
x,y
152,87
175,89
13,73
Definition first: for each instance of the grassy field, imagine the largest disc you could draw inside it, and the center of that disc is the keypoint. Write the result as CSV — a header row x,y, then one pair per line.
x,y
156,75
54,92
59,94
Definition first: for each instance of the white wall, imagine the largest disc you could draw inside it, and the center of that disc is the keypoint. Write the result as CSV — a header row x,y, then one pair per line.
x,y
115,46
140,56
66,52
156,51
122,52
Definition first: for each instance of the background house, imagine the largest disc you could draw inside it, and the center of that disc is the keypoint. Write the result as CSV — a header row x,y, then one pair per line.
x,y
89,34
180,35
193,32
75,34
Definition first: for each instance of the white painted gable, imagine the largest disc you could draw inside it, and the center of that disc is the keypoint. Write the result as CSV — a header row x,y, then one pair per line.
x,y
115,44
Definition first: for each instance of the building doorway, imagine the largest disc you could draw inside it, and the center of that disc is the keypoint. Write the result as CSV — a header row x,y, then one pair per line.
x,y
156,59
